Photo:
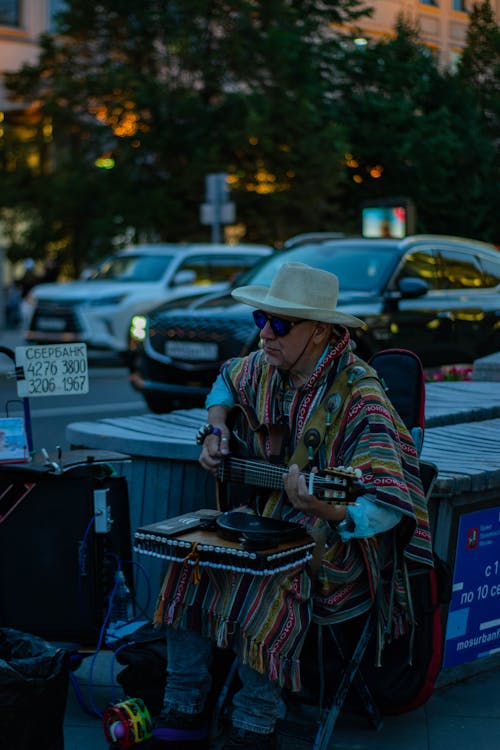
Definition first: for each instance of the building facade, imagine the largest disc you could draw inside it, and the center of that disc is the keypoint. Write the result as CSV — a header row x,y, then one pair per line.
x,y
21,23
443,23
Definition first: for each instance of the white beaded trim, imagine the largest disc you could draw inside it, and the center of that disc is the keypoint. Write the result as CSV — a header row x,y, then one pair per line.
x,y
217,550
224,566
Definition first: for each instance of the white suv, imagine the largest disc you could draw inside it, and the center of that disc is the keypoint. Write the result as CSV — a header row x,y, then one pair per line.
x,y
98,310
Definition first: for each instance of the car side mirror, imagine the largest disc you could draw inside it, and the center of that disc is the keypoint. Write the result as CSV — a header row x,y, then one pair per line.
x,y
410,288
182,278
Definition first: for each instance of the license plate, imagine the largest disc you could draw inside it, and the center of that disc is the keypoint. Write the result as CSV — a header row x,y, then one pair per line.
x,y
50,324
197,351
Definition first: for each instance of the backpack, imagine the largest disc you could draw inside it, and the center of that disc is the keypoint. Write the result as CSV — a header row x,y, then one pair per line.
x,y
144,658
411,663
407,676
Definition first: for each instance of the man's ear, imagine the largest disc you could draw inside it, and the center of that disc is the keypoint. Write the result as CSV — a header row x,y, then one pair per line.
x,y
323,329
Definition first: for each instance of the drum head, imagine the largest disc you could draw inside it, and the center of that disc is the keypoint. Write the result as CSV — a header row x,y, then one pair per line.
x,y
257,531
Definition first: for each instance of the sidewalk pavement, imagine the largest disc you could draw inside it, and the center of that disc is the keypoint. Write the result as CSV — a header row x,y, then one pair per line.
x,y
458,716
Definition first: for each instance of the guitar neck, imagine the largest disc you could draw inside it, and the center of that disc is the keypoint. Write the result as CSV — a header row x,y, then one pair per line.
x,y
255,473
270,476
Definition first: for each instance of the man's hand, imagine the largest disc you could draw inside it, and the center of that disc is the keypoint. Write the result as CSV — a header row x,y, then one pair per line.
x,y
298,494
214,448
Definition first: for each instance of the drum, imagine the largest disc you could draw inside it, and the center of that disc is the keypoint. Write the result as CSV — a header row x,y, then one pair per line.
x,y
196,539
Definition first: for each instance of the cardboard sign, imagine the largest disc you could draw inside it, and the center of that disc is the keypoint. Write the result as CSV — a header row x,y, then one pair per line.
x,y
52,370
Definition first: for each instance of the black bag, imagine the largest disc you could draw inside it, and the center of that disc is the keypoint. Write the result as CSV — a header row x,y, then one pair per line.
x,y
34,678
145,658
406,678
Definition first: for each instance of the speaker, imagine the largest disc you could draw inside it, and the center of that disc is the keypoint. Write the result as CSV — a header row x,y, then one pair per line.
x,y
56,572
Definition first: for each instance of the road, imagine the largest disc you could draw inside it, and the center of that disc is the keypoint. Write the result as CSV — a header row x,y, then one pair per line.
x,y
110,394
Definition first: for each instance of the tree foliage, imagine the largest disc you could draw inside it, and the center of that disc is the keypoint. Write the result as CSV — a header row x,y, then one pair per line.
x,y
480,63
133,104
170,91
415,131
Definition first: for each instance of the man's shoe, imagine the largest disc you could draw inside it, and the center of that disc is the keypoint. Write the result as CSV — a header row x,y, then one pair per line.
x,y
242,739
177,727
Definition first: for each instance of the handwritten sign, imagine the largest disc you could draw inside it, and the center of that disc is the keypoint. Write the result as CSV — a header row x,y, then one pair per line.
x,y
473,627
52,370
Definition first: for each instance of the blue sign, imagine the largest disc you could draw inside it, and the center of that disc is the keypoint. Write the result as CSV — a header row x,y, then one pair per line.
x,y
473,627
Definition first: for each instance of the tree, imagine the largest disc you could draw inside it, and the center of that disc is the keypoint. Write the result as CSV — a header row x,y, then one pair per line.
x,y
163,93
479,65
415,131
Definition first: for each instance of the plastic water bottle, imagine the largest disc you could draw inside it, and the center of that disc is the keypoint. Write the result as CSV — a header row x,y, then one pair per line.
x,y
122,609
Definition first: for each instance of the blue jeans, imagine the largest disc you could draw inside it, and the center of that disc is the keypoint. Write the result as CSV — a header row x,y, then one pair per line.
x,y
256,706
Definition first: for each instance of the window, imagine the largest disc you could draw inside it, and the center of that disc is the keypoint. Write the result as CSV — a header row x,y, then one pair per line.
x,y
491,272
133,268
420,265
434,3
460,270
459,6
213,269
9,12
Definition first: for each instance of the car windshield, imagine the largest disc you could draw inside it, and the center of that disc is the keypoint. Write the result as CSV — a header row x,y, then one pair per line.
x,y
133,268
358,267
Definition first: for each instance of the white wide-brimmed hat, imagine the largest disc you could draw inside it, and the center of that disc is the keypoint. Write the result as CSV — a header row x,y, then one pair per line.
x,y
298,290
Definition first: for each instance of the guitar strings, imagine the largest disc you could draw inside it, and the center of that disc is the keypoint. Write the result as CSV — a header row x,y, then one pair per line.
x,y
248,470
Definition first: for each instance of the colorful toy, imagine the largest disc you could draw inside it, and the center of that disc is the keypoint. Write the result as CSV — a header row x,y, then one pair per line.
x,y
128,723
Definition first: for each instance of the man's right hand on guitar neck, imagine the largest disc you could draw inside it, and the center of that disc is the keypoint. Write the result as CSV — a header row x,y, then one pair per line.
x,y
216,444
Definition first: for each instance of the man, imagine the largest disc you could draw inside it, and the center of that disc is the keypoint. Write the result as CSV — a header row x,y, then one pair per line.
x,y
305,378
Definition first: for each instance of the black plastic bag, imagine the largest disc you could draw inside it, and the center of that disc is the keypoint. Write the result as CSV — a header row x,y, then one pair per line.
x,y
144,655
34,677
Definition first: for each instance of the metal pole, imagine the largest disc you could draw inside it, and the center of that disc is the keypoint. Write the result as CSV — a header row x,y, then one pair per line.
x,y
217,216
3,291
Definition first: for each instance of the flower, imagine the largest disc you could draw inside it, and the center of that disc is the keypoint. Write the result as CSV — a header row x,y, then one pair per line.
x,y
450,372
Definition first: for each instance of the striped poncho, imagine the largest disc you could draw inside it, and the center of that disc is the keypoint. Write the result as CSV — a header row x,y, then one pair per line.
x,y
265,618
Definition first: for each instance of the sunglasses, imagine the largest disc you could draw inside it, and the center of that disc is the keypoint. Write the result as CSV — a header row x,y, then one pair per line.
x,y
279,326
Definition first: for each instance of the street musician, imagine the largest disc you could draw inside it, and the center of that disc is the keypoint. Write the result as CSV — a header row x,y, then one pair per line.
x,y
332,412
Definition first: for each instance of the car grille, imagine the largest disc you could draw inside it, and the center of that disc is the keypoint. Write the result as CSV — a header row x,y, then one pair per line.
x,y
54,318
233,337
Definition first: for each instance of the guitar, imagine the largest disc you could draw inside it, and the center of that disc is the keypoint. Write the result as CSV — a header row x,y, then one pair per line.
x,y
340,486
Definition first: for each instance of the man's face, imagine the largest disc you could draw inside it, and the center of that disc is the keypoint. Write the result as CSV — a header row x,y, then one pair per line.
x,y
284,351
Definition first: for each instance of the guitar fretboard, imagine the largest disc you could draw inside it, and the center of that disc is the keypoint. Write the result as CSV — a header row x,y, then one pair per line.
x,y
270,476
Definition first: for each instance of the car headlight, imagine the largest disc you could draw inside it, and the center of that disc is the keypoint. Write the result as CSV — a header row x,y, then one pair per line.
x,y
105,301
138,328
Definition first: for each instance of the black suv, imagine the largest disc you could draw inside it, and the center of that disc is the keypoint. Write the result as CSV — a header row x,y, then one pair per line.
x,y
436,295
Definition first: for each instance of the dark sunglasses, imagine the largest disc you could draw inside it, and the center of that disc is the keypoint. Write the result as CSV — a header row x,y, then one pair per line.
x,y
279,326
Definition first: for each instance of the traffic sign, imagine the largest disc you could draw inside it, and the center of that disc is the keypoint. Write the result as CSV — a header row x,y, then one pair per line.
x,y
224,213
